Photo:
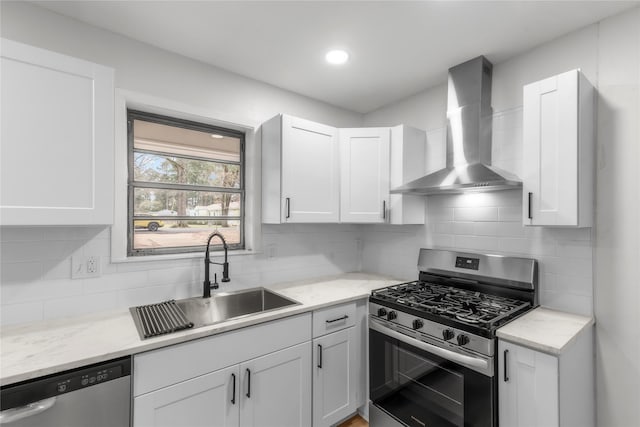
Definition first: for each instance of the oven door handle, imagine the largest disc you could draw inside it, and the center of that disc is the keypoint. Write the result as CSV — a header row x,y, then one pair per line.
x,y
475,363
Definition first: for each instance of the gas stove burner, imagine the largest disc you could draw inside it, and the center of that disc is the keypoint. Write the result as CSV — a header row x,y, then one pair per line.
x,y
467,319
470,307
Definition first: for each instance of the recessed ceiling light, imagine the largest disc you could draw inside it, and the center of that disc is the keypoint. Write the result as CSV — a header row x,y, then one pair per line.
x,y
336,57
216,136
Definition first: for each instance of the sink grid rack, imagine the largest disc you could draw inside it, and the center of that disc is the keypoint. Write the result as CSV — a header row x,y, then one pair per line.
x,y
158,319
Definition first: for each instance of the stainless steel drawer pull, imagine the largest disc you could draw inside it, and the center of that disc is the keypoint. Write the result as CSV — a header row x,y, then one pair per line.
x,y
338,319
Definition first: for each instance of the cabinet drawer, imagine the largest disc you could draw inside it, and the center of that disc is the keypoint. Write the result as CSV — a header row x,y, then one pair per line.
x,y
333,318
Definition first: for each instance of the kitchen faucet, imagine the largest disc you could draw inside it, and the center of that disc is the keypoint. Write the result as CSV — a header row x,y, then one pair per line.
x,y
225,267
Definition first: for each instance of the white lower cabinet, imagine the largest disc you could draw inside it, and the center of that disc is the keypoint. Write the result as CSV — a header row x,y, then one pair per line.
x,y
276,389
208,400
334,377
528,387
537,389
339,362
258,376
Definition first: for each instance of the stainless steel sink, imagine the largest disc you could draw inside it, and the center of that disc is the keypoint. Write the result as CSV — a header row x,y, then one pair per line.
x,y
229,305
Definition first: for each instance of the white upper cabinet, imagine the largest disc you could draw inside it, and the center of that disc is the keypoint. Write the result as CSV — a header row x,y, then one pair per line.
x,y
300,171
364,179
408,147
558,149
57,139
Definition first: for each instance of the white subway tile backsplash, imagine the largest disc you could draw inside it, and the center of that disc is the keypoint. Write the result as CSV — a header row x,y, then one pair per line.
x,y
575,248
463,228
527,246
485,228
110,282
36,267
443,227
40,290
442,241
476,214
21,234
20,272
80,304
510,213
476,243
573,303
21,313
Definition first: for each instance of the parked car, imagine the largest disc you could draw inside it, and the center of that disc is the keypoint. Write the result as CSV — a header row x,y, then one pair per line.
x,y
149,224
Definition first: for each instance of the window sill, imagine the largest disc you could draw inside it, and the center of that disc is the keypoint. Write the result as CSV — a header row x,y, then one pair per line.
x,y
172,257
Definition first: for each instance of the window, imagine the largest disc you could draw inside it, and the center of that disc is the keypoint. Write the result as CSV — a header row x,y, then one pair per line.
x,y
186,180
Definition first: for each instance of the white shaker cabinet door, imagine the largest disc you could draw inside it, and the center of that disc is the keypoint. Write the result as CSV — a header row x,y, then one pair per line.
x,y
310,171
57,139
208,400
364,175
528,387
335,379
558,144
276,389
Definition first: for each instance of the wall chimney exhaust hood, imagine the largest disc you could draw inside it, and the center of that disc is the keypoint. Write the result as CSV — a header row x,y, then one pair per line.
x,y
469,120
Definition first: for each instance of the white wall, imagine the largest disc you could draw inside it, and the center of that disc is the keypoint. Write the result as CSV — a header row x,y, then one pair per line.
x,y
617,248
609,55
36,262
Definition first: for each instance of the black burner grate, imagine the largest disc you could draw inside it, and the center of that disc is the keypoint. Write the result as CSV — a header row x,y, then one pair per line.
x,y
466,306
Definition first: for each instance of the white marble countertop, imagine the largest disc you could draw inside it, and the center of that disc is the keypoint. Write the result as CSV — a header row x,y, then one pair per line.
x,y
36,349
545,330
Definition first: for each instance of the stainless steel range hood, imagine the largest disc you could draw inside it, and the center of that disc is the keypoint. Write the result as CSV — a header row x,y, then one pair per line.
x,y
469,120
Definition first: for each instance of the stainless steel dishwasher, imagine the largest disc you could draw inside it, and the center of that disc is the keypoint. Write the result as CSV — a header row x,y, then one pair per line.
x,y
92,396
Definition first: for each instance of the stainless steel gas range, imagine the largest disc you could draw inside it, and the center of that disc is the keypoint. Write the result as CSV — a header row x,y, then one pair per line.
x,y
432,345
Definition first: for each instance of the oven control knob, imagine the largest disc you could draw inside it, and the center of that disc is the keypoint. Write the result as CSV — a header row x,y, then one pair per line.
x,y
447,334
392,315
418,324
462,339
382,312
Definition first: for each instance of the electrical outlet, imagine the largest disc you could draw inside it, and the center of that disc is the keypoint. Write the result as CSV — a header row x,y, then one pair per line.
x,y
85,266
93,266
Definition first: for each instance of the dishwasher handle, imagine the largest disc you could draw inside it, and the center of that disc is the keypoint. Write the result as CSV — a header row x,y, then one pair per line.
x,y
14,414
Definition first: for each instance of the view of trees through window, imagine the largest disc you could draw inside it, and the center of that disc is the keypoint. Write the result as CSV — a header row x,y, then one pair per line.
x,y
185,181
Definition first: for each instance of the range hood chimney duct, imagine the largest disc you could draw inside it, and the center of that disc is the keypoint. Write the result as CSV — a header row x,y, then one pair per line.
x,y
469,121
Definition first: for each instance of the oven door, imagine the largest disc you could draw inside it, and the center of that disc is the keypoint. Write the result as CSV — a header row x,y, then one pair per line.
x,y
417,384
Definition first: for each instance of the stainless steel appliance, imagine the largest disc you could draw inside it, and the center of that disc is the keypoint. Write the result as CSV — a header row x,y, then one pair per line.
x,y
432,342
469,121
97,395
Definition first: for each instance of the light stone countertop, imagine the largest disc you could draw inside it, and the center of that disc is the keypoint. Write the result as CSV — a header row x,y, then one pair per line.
x,y
545,330
42,348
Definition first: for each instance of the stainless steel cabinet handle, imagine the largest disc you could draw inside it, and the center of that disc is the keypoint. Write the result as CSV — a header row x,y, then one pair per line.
x,y
529,209
506,375
384,209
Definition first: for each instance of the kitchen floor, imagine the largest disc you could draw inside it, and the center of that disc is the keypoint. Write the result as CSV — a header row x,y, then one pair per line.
x,y
356,421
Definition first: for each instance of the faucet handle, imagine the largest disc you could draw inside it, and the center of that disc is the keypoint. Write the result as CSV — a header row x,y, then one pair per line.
x,y
225,272
215,284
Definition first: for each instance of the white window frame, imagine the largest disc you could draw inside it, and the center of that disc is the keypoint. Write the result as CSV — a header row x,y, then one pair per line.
x,y
125,100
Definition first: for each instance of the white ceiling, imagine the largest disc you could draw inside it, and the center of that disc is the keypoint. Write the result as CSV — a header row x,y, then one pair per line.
x,y
397,48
